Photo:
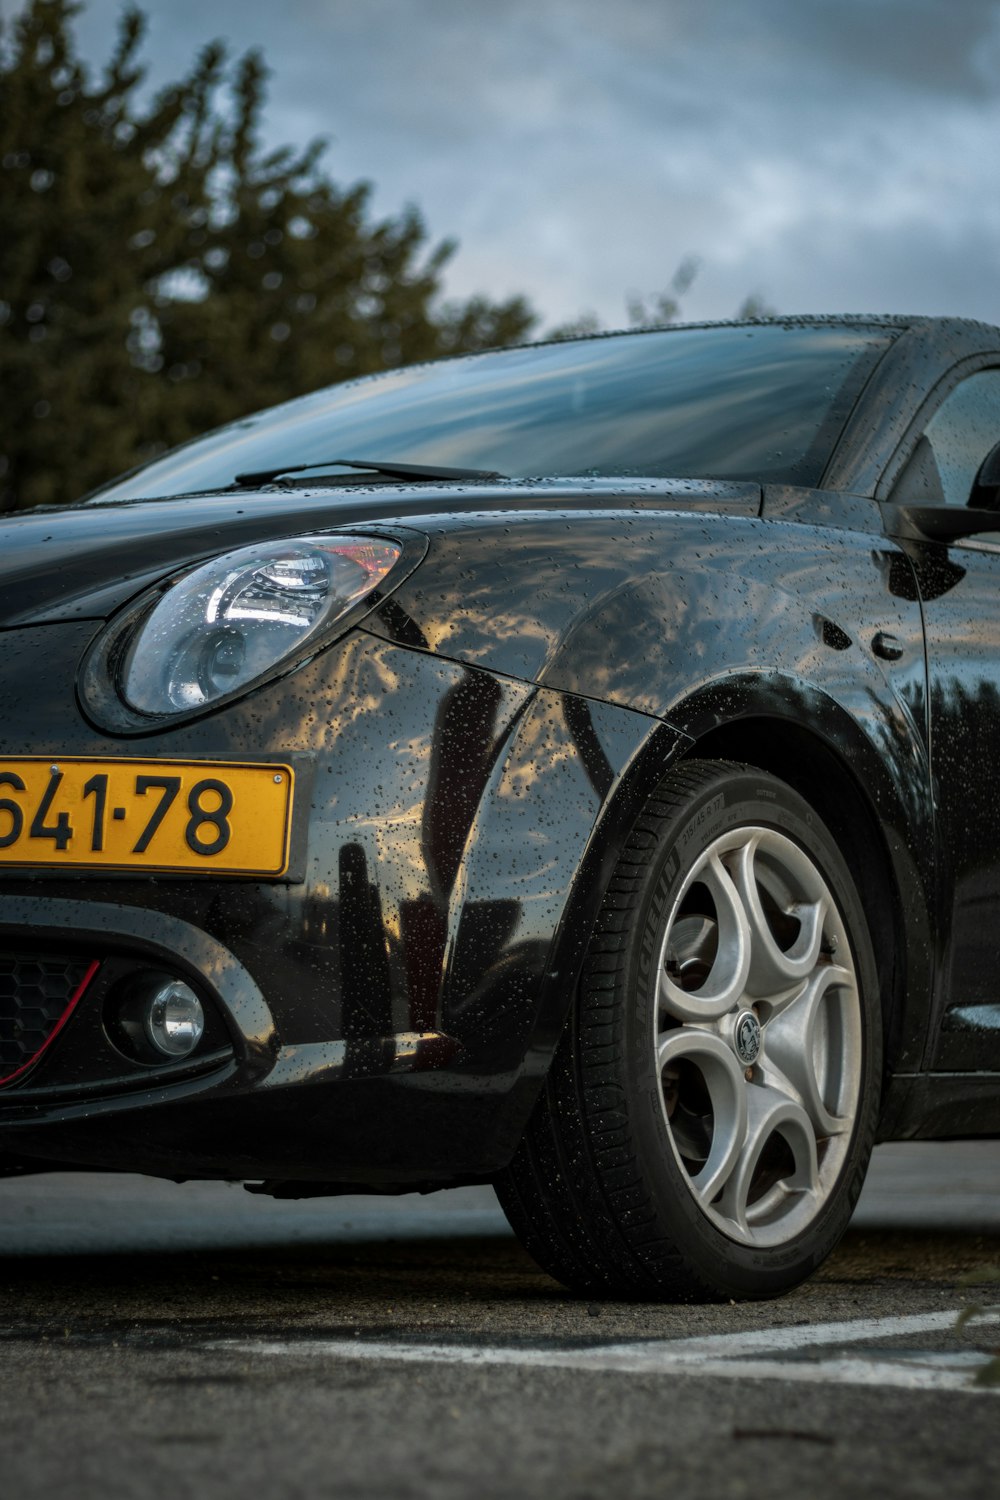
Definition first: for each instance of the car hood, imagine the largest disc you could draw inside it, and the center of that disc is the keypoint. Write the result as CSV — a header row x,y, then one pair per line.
x,y
85,561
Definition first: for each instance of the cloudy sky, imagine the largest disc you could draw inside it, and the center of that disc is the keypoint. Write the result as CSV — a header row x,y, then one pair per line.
x,y
827,155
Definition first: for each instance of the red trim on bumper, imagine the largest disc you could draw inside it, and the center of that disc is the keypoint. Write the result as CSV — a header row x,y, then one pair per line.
x,y
76,997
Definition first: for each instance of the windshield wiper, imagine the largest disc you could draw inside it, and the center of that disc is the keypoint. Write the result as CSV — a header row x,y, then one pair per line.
x,y
394,470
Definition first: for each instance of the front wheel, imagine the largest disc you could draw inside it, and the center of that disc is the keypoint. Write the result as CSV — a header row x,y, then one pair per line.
x,y
709,1115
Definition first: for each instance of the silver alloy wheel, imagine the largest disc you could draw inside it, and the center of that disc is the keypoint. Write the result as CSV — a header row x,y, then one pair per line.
x,y
758,1036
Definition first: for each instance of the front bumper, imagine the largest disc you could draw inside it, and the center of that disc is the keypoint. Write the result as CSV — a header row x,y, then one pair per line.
x,y
384,1013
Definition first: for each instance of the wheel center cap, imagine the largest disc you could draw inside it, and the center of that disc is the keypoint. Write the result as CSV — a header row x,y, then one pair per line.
x,y
746,1038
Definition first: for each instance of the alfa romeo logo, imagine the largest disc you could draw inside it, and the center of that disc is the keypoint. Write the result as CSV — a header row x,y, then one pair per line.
x,y
746,1038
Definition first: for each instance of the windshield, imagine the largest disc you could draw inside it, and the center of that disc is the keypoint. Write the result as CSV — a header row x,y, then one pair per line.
x,y
762,402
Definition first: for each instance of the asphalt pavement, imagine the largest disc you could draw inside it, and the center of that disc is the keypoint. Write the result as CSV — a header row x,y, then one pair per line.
x,y
164,1340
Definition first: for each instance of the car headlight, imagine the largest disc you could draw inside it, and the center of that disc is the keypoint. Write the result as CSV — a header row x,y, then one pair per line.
x,y
231,623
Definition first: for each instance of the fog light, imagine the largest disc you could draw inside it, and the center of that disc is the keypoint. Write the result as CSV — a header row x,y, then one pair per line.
x,y
174,1021
150,1017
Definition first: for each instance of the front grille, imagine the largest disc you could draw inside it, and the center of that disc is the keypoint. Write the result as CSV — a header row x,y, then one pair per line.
x,y
36,996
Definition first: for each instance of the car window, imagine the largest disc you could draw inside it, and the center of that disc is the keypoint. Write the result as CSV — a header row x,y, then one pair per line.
x,y
761,402
962,431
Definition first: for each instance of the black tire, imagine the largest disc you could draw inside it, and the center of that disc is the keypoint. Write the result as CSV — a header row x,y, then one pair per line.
x,y
612,1189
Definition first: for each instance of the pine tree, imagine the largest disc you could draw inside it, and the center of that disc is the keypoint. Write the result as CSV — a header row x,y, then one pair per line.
x,y
161,273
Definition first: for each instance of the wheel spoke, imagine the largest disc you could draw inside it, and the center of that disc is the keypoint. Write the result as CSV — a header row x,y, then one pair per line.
x,y
771,967
813,1056
770,1112
726,1087
727,977
780,1000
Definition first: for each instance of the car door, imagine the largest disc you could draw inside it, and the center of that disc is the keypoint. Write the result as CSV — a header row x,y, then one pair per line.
x,y
960,594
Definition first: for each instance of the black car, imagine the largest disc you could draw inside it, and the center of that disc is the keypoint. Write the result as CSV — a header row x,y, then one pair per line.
x,y
572,767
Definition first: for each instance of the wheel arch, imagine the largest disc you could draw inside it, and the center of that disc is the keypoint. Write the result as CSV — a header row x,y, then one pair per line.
x,y
837,791
876,815
876,808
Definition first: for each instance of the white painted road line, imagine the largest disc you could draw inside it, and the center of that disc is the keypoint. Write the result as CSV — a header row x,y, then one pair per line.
x,y
814,1335
739,1356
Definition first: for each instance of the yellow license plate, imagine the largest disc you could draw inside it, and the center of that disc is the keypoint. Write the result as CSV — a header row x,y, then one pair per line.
x,y
160,815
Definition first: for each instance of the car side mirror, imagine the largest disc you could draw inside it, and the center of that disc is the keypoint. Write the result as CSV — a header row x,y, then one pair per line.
x,y
920,481
986,490
918,513
938,523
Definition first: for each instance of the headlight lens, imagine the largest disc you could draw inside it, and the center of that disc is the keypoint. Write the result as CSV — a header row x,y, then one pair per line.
x,y
234,619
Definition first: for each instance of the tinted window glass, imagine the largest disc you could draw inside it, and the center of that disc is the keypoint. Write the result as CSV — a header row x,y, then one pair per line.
x,y
725,403
962,431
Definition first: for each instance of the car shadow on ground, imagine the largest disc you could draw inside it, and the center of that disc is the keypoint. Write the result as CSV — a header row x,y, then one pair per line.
x,y
449,1287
